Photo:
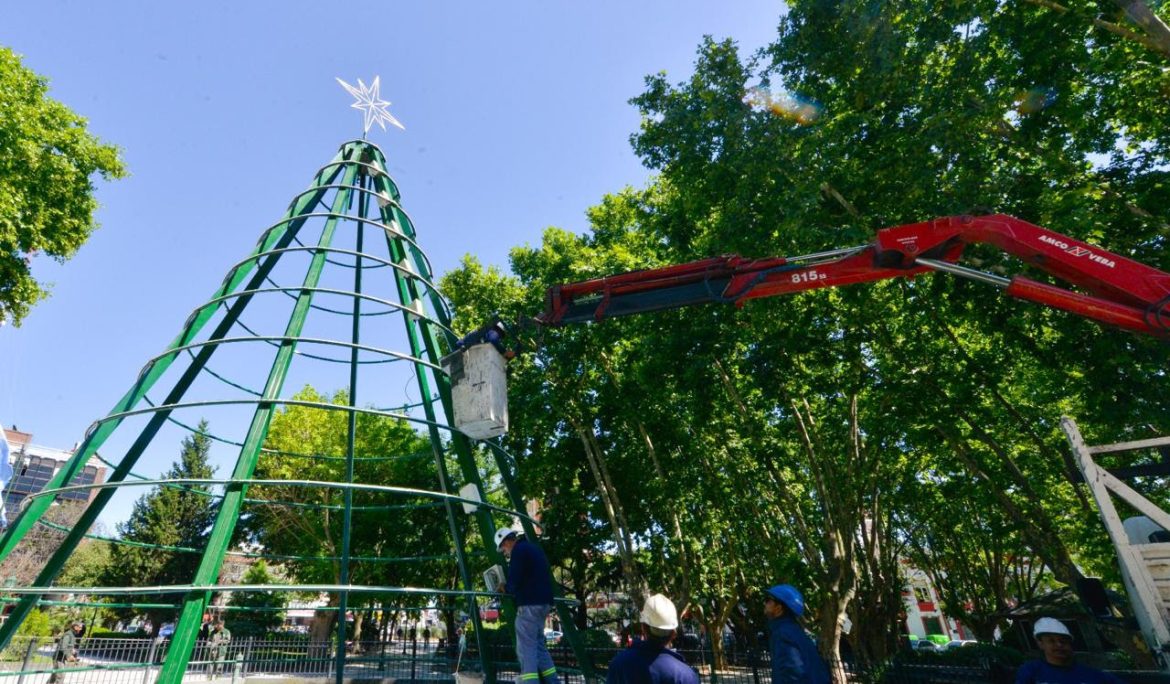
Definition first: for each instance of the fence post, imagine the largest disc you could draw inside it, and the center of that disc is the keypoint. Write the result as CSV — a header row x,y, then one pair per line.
x,y
150,661
28,654
753,656
413,654
711,646
248,654
237,667
382,659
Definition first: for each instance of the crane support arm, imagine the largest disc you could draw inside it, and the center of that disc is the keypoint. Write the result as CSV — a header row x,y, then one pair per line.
x,y
1117,291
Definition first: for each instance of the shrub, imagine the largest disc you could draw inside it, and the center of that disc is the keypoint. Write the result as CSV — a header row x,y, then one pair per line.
x,y
35,625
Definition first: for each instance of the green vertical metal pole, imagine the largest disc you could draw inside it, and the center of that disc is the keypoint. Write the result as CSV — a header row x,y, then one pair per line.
x,y
463,450
461,445
508,477
355,337
408,293
228,514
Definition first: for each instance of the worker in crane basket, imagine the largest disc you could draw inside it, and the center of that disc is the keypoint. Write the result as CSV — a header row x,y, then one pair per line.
x,y
651,660
1057,666
794,655
530,584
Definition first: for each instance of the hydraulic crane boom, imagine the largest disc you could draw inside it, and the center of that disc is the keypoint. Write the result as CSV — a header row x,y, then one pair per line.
x,y
1118,291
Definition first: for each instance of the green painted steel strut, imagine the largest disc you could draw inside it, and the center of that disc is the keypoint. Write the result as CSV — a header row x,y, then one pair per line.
x,y
89,516
568,625
410,298
351,431
227,516
279,236
462,445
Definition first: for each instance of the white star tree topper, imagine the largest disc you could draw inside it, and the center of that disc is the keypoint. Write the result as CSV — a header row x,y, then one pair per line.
x,y
371,104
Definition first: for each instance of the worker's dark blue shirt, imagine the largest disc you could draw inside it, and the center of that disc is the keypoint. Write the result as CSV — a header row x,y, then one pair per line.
x,y
529,577
647,663
1041,672
794,655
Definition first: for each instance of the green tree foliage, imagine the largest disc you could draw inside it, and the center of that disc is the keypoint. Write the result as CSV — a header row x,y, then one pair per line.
x,y
168,528
37,624
396,539
260,612
87,565
47,162
895,115
820,438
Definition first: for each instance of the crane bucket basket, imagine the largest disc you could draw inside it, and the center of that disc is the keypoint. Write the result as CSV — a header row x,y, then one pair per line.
x,y
479,390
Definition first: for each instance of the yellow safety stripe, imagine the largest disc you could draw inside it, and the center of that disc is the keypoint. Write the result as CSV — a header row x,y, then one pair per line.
x,y
549,672
530,675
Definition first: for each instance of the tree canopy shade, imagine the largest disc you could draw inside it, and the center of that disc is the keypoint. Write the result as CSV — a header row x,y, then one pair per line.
x,y
47,163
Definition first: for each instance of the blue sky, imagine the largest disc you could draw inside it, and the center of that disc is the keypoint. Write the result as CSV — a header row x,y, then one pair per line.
x,y
516,119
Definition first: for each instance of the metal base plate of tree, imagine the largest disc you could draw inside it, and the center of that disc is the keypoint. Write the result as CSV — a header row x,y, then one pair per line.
x,y
314,369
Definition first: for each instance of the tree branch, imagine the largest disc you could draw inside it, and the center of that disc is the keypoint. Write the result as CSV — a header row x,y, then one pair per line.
x,y
1157,36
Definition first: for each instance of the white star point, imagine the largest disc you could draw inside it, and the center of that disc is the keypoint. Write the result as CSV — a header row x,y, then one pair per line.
x,y
373,107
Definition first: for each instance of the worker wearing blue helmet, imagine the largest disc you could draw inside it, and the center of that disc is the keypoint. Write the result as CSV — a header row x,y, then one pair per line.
x,y
794,655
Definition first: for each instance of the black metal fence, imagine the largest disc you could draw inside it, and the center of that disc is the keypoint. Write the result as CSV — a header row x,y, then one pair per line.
x,y
137,661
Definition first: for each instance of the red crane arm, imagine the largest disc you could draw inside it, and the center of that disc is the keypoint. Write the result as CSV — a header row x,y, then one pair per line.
x,y
1120,291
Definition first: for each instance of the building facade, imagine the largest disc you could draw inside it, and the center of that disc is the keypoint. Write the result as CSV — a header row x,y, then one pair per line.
x,y
34,465
924,614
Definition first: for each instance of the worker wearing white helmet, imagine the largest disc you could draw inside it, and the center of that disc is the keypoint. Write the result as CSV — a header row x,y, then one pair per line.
x,y
1057,666
650,660
530,584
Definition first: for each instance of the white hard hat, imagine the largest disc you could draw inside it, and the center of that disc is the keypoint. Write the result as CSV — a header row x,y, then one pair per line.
x,y
1047,625
660,613
502,534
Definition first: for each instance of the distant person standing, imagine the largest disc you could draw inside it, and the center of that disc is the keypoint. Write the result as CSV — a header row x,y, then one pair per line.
x,y
66,653
795,659
530,584
651,660
221,637
1057,666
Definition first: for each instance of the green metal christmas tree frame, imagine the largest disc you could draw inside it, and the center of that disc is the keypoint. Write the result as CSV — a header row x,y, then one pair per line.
x,y
355,179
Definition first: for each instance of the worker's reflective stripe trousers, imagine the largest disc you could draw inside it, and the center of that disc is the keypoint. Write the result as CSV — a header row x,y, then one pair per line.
x,y
535,662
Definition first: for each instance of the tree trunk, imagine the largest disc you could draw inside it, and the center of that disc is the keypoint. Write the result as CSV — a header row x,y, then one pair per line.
x,y
358,622
875,615
684,574
1154,36
1141,14
635,583
320,633
1035,526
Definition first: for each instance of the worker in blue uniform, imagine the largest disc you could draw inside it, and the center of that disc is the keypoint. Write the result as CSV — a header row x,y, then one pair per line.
x,y
1057,666
794,655
650,660
530,585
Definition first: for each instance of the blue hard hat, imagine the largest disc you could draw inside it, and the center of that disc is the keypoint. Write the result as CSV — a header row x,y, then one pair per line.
x,y
788,596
